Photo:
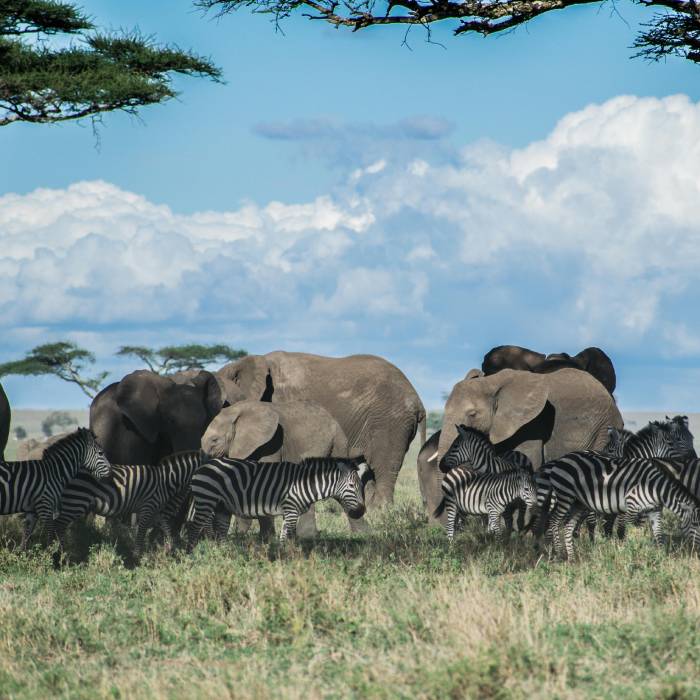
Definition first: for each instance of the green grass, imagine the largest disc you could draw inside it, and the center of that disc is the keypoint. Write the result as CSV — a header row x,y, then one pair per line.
x,y
396,613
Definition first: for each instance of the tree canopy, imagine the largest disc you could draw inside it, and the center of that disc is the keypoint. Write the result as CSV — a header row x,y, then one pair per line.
x,y
41,82
177,358
64,360
673,31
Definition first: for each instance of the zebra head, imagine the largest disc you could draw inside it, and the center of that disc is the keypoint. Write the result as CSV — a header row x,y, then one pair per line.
x,y
94,460
467,448
617,441
681,436
350,488
528,487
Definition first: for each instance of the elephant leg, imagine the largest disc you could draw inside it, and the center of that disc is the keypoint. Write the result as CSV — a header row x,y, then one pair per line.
x,y
386,460
306,527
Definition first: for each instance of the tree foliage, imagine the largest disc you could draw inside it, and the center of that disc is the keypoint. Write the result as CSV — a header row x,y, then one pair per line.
x,y
177,358
96,73
59,419
64,360
674,31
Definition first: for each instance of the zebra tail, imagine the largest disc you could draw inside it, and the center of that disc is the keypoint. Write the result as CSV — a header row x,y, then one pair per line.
x,y
440,509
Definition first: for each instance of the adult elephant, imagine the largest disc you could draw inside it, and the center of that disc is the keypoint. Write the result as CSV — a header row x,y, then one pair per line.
x,y
276,432
543,415
374,403
146,416
5,415
592,360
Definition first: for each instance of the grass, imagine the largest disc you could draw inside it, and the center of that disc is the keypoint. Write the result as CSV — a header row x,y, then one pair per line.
x,y
395,613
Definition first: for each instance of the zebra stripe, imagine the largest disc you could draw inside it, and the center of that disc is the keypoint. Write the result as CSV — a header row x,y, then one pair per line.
x,y
588,481
473,449
34,487
468,492
153,493
251,489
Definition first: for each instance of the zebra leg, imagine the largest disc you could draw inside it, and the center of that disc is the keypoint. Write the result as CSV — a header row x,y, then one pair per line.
x,y
289,525
451,520
555,522
267,528
494,525
145,520
655,522
222,523
591,521
576,517
29,525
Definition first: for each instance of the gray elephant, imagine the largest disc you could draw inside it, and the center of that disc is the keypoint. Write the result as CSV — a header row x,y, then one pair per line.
x,y
146,416
270,432
542,415
5,416
374,403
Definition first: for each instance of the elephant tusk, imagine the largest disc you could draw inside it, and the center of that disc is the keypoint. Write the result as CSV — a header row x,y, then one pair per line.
x,y
433,456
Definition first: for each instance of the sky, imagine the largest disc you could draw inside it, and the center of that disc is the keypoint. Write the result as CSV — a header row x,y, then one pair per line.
x,y
343,193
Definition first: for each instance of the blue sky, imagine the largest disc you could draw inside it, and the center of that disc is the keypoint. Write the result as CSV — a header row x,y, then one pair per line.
x,y
342,193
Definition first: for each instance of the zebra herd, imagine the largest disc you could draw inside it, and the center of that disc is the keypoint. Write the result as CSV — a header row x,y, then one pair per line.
x,y
74,478
633,478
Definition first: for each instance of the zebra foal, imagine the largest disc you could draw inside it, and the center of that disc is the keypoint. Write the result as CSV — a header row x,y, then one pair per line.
x,y
251,489
468,492
35,487
587,481
151,493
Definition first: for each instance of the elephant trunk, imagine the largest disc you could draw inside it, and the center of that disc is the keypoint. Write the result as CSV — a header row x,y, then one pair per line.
x,y
447,437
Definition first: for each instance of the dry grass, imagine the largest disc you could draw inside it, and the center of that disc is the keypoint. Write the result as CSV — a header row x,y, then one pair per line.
x,y
392,614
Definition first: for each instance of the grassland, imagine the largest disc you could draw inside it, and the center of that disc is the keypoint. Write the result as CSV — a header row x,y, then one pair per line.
x,y
391,614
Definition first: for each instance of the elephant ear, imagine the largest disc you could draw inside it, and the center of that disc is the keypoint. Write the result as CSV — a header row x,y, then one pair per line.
x,y
250,374
519,398
212,394
138,398
254,424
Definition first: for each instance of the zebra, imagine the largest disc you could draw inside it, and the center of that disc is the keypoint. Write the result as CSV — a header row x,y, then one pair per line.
x,y
468,492
681,436
34,487
251,489
473,449
151,493
588,481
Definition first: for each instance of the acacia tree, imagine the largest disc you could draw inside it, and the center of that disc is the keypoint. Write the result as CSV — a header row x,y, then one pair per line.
x,y
673,31
177,358
41,82
64,360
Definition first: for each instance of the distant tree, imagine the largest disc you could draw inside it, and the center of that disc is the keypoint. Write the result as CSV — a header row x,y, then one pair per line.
x,y
20,433
673,32
434,421
64,360
60,419
177,358
43,82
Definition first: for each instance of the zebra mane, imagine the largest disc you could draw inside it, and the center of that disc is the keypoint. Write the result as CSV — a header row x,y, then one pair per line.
x,y
181,453
650,429
75,436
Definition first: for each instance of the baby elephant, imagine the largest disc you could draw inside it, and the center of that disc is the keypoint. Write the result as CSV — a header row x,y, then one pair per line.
x,y
467,492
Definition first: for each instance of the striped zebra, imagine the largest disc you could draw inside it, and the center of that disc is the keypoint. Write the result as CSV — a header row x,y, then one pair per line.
x,y
588,481
34,487
251,489
681,436
152,494
473,449
468,492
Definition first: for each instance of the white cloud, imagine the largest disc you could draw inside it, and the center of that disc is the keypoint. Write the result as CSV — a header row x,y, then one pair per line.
x,y
590,236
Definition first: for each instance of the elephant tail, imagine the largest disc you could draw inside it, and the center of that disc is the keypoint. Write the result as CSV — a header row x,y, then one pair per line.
x,y
423,424
440,509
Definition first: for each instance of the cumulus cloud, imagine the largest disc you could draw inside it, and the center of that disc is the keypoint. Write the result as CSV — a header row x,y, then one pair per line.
x,y
590,236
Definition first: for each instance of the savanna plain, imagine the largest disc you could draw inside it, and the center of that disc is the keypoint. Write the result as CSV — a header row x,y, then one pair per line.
x,y
393,613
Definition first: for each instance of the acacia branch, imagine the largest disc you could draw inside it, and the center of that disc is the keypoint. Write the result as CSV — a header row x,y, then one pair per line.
x,y
676,32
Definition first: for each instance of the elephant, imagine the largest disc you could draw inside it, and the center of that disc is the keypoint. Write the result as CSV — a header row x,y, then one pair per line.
x,y
374,403
542,415
146,416
592,360
270,432
5,415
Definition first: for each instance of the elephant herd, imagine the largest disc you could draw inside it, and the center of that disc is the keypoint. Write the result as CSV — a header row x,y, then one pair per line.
x,y
289,406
